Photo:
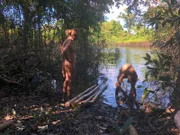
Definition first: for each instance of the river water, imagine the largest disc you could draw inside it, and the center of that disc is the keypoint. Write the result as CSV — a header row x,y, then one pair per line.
x,y
134,56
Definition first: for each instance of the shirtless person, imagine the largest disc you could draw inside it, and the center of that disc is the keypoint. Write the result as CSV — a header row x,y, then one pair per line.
x,y
68,64
127,71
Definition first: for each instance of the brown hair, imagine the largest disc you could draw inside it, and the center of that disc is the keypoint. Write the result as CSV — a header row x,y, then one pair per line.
x,y
71,32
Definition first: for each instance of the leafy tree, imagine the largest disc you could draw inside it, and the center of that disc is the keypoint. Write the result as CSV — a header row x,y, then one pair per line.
x,y
165,19
34,28
116,28
129,20
163,16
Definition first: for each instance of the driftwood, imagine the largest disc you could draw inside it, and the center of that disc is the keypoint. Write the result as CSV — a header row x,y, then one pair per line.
x,y
6,123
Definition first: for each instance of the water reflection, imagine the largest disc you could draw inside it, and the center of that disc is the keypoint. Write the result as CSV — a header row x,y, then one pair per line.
x,y
132,55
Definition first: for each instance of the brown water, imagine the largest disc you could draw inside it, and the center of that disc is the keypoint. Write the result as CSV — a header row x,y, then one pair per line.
x,y
134,56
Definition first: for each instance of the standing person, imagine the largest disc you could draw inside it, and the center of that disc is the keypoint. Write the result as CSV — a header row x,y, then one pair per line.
x,y
68,63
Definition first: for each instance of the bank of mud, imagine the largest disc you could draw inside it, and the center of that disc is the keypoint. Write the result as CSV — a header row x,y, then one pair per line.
x,y
42,115
135,44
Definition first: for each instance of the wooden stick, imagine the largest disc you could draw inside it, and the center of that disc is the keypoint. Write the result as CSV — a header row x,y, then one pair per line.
x,y
68,103
96,96
88,94
88,99
6,124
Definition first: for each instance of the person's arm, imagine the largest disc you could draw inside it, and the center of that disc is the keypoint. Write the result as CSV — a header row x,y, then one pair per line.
x,y
121,77
66,46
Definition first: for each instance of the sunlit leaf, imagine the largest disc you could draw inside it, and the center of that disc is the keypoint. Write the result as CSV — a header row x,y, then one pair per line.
x,y
13,112
146,93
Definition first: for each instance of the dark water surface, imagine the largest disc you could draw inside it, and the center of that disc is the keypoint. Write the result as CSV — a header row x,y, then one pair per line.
x,y
134,56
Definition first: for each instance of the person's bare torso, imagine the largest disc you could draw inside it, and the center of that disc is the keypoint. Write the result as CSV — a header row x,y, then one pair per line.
x,y
68,51
127,71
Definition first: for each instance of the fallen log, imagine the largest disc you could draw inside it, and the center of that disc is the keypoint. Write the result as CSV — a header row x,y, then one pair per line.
x,y
88,94
6,124
68,103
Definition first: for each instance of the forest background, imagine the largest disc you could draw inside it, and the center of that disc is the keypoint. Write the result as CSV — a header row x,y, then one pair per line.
x,y
31,32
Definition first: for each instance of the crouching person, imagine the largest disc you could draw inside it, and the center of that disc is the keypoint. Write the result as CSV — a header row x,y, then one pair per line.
x,y
127,71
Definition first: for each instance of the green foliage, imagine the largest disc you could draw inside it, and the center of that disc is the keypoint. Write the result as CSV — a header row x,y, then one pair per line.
x,y
126,125
38,28
146,93
158,67
129,20
112,32
125,128
163,17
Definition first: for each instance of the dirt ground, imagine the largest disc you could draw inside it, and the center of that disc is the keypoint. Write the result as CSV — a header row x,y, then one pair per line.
x,y
45,115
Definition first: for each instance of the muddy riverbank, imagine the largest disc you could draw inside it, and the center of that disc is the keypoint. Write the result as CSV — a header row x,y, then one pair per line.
x,y
44,115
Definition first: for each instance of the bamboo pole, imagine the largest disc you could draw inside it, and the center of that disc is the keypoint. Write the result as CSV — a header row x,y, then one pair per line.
x,y
88,101
88,94
96,96
68,103
89,98
93,96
